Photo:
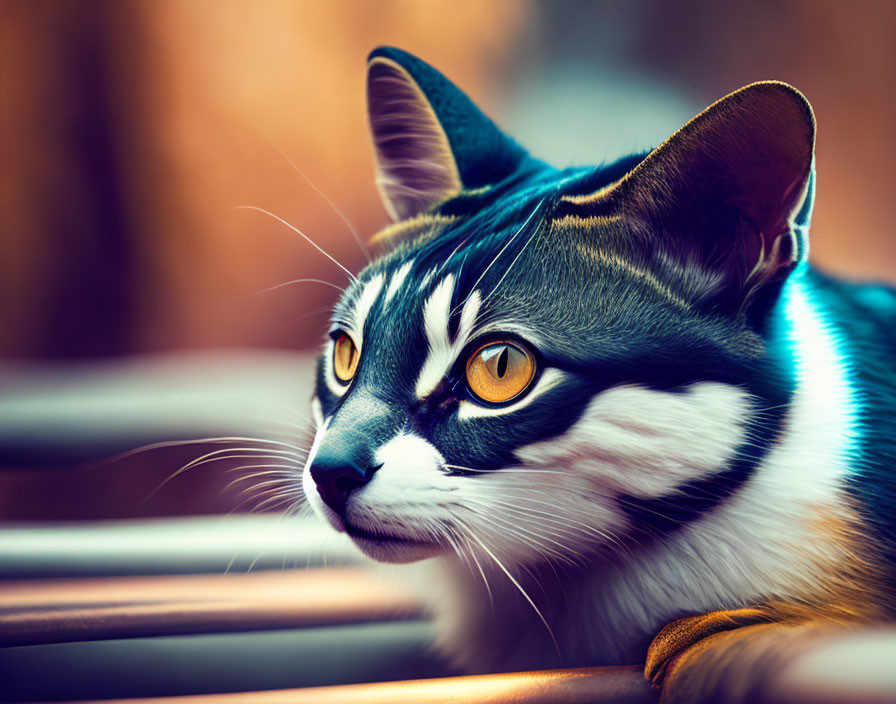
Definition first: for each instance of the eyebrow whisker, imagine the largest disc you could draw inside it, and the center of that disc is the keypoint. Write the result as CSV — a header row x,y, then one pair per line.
x,y
301,234
351,228
507,244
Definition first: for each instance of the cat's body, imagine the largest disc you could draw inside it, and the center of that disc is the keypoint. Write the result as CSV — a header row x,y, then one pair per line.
x,y
603,399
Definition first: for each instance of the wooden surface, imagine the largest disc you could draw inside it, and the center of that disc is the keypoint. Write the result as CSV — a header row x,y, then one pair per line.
x,y
619,685
58,611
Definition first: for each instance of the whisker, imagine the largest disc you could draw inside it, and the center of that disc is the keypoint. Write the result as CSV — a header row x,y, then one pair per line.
x,y
505,470
269,503
241,453
282,477
299,281
528,537
519,587
193,441
507,244
310,313
534,539
342,216
560,520
510,267
301,234
472,554
277,486
220,455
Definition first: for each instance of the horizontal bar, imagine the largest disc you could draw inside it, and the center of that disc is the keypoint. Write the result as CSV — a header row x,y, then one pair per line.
x,y
600,685
53,415
246,661
58,611
189,545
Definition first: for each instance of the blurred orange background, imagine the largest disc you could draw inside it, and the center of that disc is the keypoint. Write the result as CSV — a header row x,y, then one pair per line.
x,y
130,130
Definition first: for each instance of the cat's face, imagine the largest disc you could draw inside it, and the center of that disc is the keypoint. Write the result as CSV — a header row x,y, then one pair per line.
x,y
539,369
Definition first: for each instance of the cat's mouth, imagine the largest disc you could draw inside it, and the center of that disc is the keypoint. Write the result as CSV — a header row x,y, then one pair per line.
x,y
388,547
379,537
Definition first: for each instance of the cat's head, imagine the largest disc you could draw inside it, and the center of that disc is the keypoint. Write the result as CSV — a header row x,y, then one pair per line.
x,y
545,363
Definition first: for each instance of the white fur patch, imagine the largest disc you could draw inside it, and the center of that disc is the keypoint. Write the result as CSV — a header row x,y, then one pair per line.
x,y
365,302
409,457
317,414
397,280
427,277
442,351
336,387
643,442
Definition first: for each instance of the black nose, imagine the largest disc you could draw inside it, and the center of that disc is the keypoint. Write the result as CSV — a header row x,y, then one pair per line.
x,y
336,476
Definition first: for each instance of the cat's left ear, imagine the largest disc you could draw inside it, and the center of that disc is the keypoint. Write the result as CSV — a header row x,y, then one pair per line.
x,y
730,193
430,141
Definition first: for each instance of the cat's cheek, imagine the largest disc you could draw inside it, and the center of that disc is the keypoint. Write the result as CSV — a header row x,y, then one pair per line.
x,y
646,443
527,515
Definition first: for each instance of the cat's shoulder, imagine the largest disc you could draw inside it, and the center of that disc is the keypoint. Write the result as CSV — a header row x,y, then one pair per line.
x,y
858,308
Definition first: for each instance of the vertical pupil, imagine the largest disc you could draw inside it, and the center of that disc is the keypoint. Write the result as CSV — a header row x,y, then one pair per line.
x,y
502,363
346,355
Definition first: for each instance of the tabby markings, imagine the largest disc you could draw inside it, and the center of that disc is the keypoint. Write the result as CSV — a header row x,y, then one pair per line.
x,y
442,350
397,280
366,299
365,302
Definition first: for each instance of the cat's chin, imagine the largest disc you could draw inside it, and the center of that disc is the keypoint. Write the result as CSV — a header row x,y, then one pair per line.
x,y
398,553
393,549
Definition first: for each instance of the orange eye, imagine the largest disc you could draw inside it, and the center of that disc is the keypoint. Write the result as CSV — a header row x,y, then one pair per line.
x,y
499,371
345,358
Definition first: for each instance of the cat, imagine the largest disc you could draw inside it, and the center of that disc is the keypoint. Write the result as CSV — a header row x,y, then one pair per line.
x,y
612,408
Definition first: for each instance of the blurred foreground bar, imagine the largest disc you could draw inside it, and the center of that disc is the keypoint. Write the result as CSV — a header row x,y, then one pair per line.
x,y
188,634
598,685
185,634
59,611
53,415
189,545
247,661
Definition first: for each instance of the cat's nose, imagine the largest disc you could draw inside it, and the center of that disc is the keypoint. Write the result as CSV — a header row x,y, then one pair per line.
x,y
336,476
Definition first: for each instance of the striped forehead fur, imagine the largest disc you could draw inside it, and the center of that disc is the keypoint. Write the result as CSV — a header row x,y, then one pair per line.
x,y
441,349
365,302
420,227
397,280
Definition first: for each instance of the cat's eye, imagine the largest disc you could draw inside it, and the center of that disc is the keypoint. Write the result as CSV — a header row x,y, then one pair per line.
x,y
345,358
500,371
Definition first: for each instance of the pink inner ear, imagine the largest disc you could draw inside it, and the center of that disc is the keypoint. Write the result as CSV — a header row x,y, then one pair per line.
x,y
415,166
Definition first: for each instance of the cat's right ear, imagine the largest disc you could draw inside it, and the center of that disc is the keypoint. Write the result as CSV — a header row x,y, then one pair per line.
x,y
430,141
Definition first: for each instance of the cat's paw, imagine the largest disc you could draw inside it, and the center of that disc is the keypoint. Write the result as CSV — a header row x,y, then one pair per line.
x,y
666,651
